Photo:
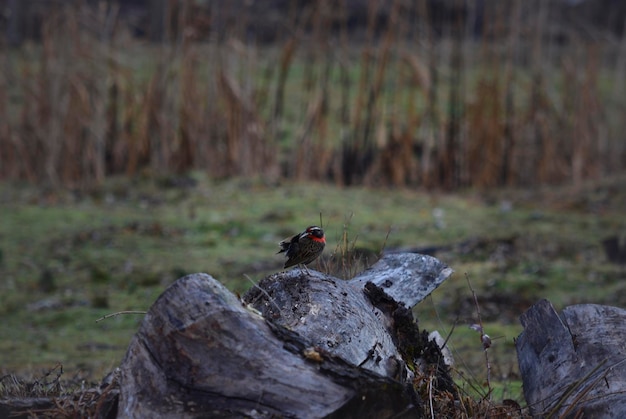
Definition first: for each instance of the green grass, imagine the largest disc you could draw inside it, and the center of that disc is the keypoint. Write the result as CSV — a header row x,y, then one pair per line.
x,y
68,258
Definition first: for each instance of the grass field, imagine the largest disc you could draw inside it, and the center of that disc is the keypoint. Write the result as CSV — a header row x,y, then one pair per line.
x,y
68,258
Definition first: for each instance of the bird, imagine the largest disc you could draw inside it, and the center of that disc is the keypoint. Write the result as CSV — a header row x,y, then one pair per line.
x,y
303,248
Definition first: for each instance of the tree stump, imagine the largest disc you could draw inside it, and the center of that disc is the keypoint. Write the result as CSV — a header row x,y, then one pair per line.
x,y
574,364
300,344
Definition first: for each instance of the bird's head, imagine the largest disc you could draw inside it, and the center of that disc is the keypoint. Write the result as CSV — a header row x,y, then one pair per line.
x,y
314,232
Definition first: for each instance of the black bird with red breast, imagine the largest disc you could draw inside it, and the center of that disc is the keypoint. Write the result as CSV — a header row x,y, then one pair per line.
x,y
303,248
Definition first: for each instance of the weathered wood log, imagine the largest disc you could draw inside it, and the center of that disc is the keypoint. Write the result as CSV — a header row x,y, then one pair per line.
x,y
574,365
408,278
301,344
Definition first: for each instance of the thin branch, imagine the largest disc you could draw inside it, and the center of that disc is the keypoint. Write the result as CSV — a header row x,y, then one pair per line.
x,y
118,313
484,338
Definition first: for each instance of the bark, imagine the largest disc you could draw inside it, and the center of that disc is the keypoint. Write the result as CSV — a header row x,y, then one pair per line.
x,y
574,364
300,344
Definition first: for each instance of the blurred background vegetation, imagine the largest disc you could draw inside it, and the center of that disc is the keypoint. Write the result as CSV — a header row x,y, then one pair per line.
x,y
143,140
433,93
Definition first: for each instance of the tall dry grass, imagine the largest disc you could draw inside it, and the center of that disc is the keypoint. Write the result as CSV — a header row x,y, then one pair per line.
x,y
415,96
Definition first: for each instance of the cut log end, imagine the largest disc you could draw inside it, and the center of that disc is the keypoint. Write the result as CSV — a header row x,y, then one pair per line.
x,y
573,364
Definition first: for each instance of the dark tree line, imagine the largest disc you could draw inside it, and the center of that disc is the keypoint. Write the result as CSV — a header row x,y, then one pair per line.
x,y
157,20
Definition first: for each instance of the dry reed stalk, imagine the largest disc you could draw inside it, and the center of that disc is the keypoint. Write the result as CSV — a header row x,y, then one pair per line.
x,y
53,102
615,160
358,147
313,156
415,86
431,120
395,164
100,48
131,127
189,119
144,139
344,62
24,132
246,153
323,149
190,110
299,164
587,143
372,113
539,163
66,100
356,137
9,165
117,108
285,62
233,109
485,135
342,119
532,168
509,130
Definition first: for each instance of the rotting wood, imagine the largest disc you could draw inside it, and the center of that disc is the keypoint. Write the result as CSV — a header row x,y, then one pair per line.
x,y
574,364
319,349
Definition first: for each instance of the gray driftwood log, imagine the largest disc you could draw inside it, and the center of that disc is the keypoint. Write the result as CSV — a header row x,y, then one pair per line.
x,y
574,364
300,344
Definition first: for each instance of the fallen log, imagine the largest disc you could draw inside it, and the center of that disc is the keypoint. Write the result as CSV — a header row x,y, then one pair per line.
x,y
300,344
574,364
